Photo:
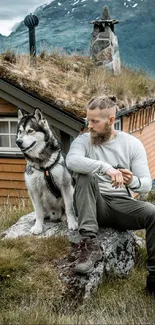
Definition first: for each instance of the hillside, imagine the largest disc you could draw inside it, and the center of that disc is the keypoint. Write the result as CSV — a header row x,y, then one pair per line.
x,y
65,25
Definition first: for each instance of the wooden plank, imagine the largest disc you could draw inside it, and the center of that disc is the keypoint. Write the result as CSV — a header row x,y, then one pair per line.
x,y
146,131
149,141
150,154
12,168
8,109
147,137
152,171
151,168
149,129
150,151
151,159
13,193
8,105
12,161
125,123
153,175
12,184
149,147
151,163
11,176
141,134
4,101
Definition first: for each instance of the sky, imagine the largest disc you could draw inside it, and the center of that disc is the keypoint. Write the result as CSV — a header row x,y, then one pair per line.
x,y
14,11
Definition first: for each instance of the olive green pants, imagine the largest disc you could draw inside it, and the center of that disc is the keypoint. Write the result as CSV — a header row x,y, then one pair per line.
x,y
96,210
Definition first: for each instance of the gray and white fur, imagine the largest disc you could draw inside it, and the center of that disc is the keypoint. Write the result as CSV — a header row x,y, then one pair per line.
x,y
41,148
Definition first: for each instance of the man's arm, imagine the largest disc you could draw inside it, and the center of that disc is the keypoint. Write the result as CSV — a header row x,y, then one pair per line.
x,y
77,161
140,179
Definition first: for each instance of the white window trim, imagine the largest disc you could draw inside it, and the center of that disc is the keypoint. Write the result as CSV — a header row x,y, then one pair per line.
x,y
118,120
9,149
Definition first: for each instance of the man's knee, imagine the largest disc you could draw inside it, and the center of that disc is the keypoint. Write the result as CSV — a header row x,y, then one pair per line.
x,y
85,179
150,213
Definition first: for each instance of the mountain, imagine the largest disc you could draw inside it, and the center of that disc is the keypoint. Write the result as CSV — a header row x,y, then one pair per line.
x,y
2,41
64,24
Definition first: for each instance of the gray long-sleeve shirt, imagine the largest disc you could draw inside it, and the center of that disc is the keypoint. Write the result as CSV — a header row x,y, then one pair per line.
x,y
125,150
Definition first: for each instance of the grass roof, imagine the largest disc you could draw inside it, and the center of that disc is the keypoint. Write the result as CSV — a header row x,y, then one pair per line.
x,y
70,81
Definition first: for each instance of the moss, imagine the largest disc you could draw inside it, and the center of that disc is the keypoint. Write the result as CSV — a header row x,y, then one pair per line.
x,y
73,79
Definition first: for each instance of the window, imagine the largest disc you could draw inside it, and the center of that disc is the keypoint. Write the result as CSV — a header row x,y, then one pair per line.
x,y
8,129
117,124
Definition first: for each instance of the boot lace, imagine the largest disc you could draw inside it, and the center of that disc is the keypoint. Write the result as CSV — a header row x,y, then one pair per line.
x,y
84,251
86,247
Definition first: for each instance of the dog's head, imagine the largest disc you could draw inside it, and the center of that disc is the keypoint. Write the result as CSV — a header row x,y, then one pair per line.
x,y
34,133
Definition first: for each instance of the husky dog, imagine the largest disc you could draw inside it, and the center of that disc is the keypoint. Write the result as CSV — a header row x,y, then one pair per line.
x,y
47,179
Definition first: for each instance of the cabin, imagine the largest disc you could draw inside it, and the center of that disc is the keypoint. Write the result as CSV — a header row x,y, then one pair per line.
x,y
12,162
63,106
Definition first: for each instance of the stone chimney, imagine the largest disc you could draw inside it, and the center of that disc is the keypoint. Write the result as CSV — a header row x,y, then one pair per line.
x,y
104,48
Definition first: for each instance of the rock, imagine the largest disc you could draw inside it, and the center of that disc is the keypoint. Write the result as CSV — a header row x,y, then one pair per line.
x,y
118,253
24,224
75,67
139,241
118,258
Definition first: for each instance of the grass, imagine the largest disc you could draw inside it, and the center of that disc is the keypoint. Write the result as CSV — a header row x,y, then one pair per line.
x,y
71,80
10,213
31,292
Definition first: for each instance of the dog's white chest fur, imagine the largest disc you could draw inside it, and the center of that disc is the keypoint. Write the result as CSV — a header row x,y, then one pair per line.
x,y
37,187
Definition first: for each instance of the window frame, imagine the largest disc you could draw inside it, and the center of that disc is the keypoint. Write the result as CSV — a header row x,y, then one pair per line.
x,y
119,121
9,149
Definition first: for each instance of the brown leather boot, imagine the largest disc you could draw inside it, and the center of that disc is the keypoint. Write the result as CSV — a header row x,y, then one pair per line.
x,y
90,253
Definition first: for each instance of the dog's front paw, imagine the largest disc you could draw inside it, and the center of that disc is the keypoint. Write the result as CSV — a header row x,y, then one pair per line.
x,y
72,224
36,229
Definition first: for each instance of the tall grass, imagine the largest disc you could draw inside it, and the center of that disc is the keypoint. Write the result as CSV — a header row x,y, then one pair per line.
x,y
71,80
10,212
32,293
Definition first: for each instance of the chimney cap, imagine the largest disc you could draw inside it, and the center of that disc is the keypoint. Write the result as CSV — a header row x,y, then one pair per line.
x,y
105,18
31,21
103,21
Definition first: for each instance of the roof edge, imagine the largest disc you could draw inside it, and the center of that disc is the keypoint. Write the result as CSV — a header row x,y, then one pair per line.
x,y
53,105
135,108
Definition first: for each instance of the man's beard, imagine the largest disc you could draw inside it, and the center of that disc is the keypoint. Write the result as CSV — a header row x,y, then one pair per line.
x,y
101,137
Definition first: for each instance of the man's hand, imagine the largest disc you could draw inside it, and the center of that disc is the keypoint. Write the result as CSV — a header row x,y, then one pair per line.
x,y
127,176
116,175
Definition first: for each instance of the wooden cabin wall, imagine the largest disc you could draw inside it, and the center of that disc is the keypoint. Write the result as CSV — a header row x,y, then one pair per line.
x,y
12,184
6,107
147,137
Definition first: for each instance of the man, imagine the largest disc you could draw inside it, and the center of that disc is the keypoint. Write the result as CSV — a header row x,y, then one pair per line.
x,y
108,164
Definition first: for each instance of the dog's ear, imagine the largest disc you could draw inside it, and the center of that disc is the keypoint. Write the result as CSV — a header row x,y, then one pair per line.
x,y
21,114
38,115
